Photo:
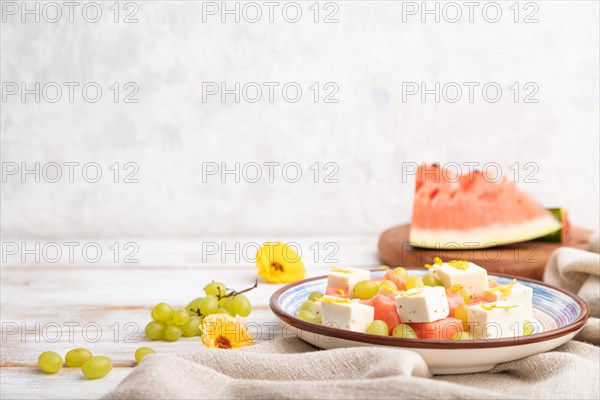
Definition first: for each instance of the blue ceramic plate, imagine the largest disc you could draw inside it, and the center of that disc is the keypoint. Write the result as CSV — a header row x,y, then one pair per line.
x,y
558,316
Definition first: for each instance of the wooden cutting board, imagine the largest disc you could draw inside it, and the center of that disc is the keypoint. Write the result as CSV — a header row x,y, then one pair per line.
x,y
525,259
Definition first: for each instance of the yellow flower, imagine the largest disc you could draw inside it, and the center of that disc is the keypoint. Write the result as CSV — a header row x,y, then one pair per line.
x,y
222,331
279,263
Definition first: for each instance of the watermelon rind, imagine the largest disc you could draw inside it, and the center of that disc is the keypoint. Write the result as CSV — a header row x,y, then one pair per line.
x,y
479,238
560,235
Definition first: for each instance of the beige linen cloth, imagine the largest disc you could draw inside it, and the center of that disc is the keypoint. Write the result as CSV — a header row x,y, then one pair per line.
x,y
290,368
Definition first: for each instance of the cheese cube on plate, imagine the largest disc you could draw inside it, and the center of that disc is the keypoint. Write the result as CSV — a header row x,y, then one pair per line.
x,y
515,293
499,319
463,273
317,308
346,278
346,314
426,304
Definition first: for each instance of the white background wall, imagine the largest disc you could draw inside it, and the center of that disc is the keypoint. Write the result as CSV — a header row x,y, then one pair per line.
x,y
368,134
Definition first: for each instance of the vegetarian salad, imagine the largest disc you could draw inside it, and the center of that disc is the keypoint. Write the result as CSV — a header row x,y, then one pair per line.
x,y
454,300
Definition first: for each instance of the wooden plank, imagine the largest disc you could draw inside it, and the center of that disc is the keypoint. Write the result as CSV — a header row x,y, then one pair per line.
x,y
30,383
115,299
526,259
113,333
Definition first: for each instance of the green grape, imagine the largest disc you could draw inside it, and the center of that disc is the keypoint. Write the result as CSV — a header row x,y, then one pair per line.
x,y
143,352
414,281
307,306
467,294
404,331
215,289
430,280
463,336
308,316
76,357
241,305
96,367
209,305
155,330
227,304
401,272
378,327
528,328
315,295
193,307
389,284
172,333
180,317
192,327
162,312
222,310
365,289
50,362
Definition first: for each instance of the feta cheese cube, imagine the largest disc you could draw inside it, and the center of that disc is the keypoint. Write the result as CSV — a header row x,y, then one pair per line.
x,y
346,314
346,278
434,272
426,304
473,276
317,308
515,293
500,319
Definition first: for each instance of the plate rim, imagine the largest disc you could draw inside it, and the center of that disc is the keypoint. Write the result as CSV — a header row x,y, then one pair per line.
x,y
425,343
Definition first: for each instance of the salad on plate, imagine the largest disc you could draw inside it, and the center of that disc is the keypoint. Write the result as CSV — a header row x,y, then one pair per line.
x,y
454,300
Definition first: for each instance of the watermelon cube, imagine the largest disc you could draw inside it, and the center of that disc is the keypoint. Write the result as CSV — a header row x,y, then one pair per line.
x,y
385,310
400,282
336,291
454,300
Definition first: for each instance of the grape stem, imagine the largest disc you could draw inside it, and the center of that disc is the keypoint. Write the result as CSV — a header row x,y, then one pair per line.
x,y
197,311
235,292
232,293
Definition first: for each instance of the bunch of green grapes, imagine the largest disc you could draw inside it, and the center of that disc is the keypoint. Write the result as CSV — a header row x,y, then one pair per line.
x,y
219,300
170,324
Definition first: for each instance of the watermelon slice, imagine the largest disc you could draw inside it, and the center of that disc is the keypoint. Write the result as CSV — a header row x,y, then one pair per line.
x,y
561,235
474,211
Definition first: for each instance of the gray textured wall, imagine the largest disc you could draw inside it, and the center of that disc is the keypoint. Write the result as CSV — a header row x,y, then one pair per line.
x,y
368,134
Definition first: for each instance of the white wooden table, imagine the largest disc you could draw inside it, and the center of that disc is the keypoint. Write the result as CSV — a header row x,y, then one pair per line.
x,y
104,306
